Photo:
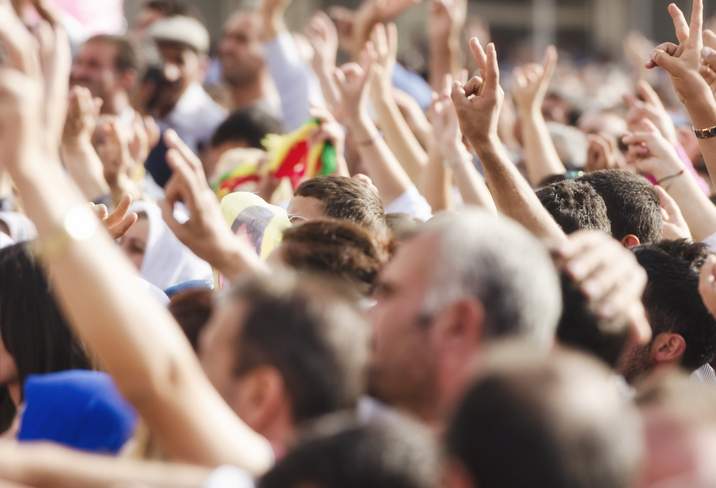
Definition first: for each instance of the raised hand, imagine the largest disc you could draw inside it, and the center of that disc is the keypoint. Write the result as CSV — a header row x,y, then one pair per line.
x,y
674,226
609,276
120,220
21,93
82,115
272,17
532,81
603,153
650,153
323,37
446,18
707,284
649,106
383,51
205,232
682,60
351,81
478,102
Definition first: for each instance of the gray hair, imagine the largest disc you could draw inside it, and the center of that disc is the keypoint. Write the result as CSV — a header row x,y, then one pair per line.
x,y
498,262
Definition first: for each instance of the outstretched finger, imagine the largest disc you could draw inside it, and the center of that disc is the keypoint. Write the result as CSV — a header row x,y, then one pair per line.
x,y
549,63
478,54
680,25
696,37
492,76
173,141
120,212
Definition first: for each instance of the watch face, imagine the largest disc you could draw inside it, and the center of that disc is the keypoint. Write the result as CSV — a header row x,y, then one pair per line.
x,y
80,223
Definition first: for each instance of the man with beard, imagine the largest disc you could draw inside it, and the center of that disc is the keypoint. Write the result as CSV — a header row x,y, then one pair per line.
x,y
179,101
683,330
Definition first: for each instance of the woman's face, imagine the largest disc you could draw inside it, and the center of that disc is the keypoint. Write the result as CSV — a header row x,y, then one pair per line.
x,y
8,369
134,242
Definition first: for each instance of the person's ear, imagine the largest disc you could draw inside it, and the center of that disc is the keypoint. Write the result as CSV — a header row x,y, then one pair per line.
x,y
630,241
668,348
460,325
128,80
259,396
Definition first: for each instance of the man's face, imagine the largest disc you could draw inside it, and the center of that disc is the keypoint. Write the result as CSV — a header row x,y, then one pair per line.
x,y
182,67
636,362
304,209
94,68
217,348
241,50
402,369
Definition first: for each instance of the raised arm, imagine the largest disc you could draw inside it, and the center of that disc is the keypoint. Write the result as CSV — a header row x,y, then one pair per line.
x,y
478,107
446,21
134,338
383,47
452,153
386,172
78,154
46,465
682,62
205,232
652,154
295,82
530,87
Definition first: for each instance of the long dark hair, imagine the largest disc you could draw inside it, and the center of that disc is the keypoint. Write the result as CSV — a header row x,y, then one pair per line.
x,y
32,327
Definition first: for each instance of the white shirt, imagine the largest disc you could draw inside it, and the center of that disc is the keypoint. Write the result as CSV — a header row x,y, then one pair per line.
x,y
228,477
195,117
705,374
412,203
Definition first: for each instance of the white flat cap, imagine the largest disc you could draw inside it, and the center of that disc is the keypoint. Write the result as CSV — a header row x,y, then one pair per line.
x,y
183,30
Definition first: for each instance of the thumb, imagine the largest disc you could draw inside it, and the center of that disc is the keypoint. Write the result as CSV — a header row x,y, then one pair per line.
x,y
669,63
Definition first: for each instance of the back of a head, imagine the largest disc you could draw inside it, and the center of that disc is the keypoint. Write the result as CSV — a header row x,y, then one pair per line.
x,y
311,332
347,199
340,453
192,309
538,420
580,327
575,205
672,299
632,204
32,328
247,126
498,262
339,249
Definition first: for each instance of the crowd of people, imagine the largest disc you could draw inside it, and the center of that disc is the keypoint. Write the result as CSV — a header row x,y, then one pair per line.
x,y
248,263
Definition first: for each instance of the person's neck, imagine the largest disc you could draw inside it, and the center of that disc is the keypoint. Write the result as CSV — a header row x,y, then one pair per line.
x,y
280,434
248,94
15,393
116,104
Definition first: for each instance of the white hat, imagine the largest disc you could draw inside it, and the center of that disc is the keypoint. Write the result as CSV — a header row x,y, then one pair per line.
x,y
181,29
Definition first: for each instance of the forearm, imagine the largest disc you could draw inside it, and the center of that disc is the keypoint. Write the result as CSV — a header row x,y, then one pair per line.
x,y
234,260
541,156
85,168
512,194
701,107
54,467
437,182
134,337
470,183
400,139
386,172
444,60
699,212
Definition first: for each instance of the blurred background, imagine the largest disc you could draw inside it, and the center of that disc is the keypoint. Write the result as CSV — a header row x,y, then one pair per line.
x,y
586,27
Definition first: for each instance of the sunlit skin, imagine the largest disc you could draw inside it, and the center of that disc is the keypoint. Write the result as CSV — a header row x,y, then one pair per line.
x,y
134,242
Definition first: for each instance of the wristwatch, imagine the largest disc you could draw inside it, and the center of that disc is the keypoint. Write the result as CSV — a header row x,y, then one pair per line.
x,y
705,133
